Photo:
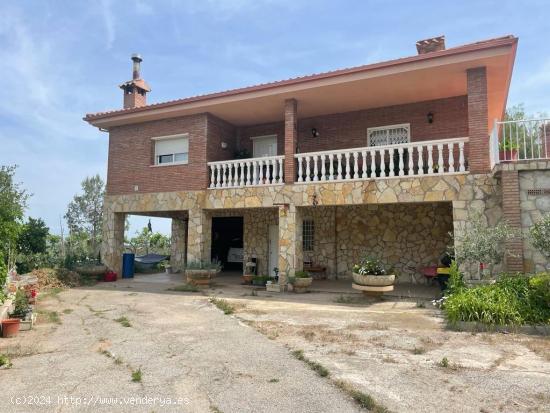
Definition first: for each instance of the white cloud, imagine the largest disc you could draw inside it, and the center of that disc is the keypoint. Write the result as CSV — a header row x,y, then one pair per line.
x,y
108,21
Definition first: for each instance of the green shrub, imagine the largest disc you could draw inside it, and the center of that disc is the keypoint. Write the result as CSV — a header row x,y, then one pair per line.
x,y
370,266
540,235
513,299
302,274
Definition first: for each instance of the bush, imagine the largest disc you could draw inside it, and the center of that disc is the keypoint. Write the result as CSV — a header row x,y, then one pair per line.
x,y
369,266
540,235
513,299
302,274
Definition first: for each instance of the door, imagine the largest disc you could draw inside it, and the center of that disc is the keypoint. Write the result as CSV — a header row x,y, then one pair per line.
x,y
264,146
273,249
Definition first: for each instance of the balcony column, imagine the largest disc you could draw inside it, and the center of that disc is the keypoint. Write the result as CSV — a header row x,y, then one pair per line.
x,y
290,241
112,241
199,233
478,121
291,139
178,244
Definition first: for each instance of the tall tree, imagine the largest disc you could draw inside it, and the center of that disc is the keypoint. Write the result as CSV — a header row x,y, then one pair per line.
x,y
13,201
85,211
33,237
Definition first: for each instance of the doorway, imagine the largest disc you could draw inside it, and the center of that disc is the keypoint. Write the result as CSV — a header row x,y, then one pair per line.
x,y
227,242
273,249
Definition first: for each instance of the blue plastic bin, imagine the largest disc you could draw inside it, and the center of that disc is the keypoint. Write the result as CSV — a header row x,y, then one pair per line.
x,y
128,265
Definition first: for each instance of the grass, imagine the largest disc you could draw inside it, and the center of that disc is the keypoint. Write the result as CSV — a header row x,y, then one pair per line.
x,y
136,375
362,399
123,321
5,361
444,362
51,293
50,316
223,305
316,367
67,311
186,288
418,350
273,380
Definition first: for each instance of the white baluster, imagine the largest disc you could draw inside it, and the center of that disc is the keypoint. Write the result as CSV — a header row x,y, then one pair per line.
x,y
392,166
348,175
372,163
218,175
461,166
300,169
430,160
401,164
231,174
280,180
339,158
410,150
355,165
241,174
249,173
254,172
451,147
364,165
212,176
323,168
308,172
420,150
331,167
315,170
440,163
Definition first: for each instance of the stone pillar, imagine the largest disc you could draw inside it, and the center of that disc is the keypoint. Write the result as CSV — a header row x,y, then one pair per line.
x,y
178,244
511,212
112,244
199,235
478,121
290,242
291,139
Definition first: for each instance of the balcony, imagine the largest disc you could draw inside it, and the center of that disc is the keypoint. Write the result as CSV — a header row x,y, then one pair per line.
x,y
247,172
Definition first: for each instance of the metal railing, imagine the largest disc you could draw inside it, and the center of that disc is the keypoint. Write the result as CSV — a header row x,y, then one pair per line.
x,y
518,140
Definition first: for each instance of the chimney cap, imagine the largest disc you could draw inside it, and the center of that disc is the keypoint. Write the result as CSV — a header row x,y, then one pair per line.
x,y
136,57
433,44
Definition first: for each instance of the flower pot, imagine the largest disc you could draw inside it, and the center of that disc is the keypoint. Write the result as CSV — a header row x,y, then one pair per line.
x,y
374,280
10,327
301,285
199,277
508,155
247,278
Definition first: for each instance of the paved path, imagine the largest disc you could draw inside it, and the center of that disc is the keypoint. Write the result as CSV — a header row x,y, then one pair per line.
x,y
184,346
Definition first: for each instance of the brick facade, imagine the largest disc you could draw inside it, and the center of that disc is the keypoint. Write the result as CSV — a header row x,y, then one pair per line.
x,y
291,139
478,120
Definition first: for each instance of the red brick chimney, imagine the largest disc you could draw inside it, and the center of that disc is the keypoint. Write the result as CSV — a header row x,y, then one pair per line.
x,y
435,44
135,90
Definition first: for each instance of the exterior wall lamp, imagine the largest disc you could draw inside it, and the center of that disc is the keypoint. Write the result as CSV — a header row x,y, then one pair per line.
x,y
315,133
430,117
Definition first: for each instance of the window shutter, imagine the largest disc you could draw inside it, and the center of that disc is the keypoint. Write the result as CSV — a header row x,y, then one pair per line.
x,y
171,146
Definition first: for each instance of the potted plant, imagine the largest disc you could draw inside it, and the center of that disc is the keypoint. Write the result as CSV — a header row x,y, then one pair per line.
x,y
10,327
370,276
21,305
260,280
508,151
301,281
201,272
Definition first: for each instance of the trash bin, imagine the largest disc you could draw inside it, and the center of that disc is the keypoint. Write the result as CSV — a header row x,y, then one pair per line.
x,y
128,265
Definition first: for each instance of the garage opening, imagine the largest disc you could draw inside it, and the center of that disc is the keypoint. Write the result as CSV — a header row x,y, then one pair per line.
x,y
227,242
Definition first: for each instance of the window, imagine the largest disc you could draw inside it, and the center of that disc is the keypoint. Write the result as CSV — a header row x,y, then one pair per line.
x,y
264,146
389,135
308,233
171,150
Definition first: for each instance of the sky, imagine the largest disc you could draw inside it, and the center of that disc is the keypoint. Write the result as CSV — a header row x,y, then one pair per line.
x,y
62,59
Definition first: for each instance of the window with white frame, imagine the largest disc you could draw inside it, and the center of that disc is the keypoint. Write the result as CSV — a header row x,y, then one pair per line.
x,y
171,150
389,135
308,234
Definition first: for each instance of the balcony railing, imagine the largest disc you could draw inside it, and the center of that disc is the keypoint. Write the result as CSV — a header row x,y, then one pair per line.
x,y
415,158
519,140
246,172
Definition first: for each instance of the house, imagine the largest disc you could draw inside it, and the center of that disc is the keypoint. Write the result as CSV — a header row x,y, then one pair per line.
x,y
387,159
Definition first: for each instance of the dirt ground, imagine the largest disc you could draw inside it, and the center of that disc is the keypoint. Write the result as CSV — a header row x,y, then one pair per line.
x,y
403,355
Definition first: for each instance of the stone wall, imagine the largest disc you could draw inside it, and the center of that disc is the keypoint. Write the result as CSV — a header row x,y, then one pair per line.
x,y
533,207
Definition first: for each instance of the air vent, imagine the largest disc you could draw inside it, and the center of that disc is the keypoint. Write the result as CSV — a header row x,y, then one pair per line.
x,y
537,192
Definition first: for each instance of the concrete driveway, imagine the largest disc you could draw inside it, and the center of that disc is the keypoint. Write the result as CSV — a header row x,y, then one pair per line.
x,y
192,358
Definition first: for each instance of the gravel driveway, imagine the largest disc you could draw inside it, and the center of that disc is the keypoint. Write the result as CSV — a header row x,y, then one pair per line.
x,y
188,352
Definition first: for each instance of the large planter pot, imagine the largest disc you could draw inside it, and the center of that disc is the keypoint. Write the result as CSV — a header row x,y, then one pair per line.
x,y
10,327
301,285
92,270
247,278
199,277
508,155
374,280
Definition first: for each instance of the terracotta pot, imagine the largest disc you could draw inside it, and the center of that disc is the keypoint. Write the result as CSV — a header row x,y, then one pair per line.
x,y
507,155
10,327
247,278
374,280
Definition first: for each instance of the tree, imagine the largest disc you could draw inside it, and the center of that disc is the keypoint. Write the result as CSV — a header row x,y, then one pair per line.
x,y
85,211
13,201
540,235
147,241
33,237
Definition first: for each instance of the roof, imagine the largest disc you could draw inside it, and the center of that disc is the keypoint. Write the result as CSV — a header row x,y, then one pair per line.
x,y
508,40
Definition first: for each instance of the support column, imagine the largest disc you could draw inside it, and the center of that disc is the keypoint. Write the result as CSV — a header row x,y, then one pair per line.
x,y
478,121
291,139
178,245
512,215
199,235
112,243
290,242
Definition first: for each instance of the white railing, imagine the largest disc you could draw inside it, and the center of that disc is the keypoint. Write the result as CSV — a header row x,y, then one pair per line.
x,y
519,140
246,172
415,158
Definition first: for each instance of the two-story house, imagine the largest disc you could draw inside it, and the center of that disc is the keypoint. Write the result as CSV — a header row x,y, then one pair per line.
x,y
386,159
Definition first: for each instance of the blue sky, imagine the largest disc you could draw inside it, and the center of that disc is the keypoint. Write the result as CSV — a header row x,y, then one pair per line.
x,y
62,59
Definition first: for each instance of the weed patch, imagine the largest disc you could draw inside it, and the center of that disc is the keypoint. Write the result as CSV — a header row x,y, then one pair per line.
x,y
185,288
123,321
5,361
49,316
362,399
223,305
316,367
136,375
